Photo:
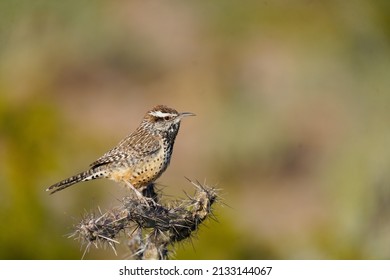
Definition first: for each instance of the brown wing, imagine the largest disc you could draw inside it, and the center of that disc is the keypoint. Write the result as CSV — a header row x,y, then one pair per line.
x,y
134,147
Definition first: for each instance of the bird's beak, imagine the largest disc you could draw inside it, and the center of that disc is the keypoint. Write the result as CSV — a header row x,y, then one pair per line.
x,y
186,114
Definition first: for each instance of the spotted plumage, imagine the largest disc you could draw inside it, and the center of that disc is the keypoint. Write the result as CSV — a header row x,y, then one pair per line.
x,y
141,157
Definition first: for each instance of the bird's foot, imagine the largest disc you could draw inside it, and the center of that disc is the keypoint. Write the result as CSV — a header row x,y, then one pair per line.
x,y
141,197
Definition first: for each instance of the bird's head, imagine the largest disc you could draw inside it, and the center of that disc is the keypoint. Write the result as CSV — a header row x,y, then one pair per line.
x,y
162,119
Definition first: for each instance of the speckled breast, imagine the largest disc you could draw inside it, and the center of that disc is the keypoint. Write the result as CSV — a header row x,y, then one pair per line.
x,y
143,171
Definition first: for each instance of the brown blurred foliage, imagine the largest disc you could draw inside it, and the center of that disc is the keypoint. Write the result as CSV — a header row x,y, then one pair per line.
x,y
293,111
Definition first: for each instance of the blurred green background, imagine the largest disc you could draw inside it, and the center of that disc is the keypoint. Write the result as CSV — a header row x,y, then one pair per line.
x,y
293,120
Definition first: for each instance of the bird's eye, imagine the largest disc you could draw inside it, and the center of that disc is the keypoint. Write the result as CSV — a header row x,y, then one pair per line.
x,y
166,118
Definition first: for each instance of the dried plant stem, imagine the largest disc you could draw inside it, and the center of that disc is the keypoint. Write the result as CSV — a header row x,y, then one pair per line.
x,y
150,228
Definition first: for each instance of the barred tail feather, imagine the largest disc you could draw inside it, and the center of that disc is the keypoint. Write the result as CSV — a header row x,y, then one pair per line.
x,y
81,177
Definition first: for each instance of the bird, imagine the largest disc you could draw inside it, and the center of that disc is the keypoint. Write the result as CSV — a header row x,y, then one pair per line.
x,y
138,159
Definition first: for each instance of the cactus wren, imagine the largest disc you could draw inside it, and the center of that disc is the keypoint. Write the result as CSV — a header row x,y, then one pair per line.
x,y
138,159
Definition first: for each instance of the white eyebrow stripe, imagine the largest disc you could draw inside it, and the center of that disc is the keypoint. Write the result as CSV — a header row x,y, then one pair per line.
x,y
159,114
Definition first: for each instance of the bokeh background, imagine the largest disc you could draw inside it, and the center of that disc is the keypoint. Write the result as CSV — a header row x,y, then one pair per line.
x,y
293,120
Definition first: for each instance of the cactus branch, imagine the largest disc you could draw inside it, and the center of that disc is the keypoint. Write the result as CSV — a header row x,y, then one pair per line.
x,y
150,228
